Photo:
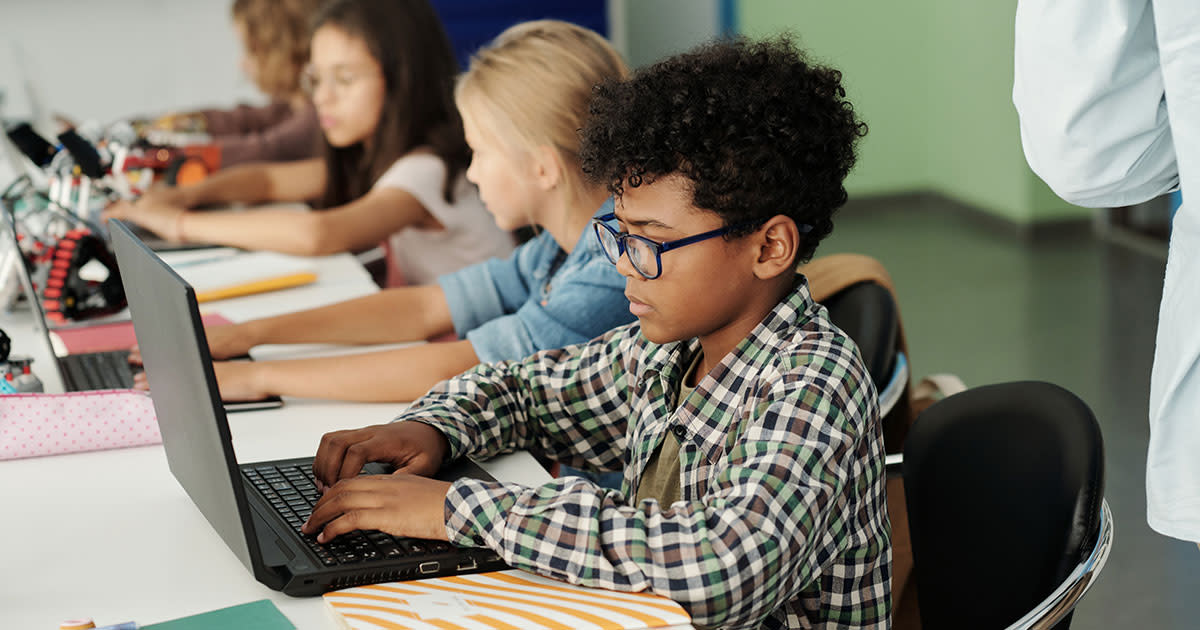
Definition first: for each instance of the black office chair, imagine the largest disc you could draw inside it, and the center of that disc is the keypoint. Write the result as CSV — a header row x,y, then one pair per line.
x,y
1006,510
867,314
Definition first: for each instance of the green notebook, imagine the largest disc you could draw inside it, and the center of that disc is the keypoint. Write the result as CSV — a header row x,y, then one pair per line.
x,y
259,615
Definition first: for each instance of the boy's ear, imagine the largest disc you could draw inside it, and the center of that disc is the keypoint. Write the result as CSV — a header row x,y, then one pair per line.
x,y
776,244
547,168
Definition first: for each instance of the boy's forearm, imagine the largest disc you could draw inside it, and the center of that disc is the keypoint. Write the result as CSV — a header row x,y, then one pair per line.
x,y
554,531
560,403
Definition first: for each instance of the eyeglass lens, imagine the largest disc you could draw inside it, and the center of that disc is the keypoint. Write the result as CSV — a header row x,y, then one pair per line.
x,y
641,253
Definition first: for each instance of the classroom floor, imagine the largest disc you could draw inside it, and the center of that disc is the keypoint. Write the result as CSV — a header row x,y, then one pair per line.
x,y
1071,309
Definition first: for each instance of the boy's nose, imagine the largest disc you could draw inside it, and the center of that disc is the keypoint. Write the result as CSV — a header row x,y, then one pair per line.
x,y
625,266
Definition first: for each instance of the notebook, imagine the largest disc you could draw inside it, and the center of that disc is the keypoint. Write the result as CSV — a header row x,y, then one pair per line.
x,y
106,337
512,600
245,273
257,508
259,615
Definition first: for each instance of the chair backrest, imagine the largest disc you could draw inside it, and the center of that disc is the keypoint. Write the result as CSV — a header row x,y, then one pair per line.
x,y
868,315
1004,486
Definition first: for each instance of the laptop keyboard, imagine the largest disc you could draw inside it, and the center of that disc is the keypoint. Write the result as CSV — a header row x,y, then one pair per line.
x,y
97,370
292,492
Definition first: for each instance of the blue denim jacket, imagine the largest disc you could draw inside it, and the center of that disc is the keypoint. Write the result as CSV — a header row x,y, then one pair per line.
x,y
510,308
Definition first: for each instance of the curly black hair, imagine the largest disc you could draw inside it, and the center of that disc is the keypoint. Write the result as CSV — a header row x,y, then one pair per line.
x,y
757,129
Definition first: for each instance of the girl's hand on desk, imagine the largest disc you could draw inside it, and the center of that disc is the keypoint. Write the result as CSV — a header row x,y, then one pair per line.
x,y
411,447
235,379
399,504
163,220
163,195
239,380
228,341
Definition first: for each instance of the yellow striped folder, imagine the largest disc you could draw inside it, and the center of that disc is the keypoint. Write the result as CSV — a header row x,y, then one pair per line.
x,y
505,600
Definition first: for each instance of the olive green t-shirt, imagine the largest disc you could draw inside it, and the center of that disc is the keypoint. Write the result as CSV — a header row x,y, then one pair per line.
x,y
660,480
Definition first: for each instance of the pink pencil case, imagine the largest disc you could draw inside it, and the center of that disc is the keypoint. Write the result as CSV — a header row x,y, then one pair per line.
x,y
32,425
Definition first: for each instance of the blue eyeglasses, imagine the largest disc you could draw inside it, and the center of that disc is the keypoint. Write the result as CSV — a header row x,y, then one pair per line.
x,y
644,254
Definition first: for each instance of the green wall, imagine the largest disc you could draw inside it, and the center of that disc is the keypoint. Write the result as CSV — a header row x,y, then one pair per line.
x,y
933,80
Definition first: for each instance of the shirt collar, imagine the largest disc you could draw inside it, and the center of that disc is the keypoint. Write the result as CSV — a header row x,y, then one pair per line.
x,y
780,323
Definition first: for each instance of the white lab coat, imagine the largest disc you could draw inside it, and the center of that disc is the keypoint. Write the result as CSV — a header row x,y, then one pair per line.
x,y
1108,95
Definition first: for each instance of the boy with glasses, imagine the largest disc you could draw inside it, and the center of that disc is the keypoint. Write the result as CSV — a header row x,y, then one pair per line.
x,y
744,421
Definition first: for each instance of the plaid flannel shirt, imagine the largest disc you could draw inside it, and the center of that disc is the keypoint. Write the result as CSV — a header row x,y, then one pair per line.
x,y
783,521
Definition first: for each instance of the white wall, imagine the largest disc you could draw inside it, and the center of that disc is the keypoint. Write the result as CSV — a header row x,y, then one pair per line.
x,y
107,59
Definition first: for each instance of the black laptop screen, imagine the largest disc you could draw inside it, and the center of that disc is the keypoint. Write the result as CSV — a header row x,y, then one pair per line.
x,y
195,431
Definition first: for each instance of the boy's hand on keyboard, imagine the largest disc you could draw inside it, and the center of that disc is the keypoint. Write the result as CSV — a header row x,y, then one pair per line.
x,y
411,447
398,504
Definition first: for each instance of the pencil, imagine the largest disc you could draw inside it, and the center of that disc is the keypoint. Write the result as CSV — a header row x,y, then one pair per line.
x,y
257,286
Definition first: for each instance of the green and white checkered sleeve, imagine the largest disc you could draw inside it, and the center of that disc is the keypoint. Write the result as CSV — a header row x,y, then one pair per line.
x,y
782,505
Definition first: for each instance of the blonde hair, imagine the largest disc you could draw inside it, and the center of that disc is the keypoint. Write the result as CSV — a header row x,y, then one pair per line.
x,y
532,84
277,39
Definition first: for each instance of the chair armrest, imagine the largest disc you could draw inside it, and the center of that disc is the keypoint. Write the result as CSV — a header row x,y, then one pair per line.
x,y
893,464
1063,599
890,394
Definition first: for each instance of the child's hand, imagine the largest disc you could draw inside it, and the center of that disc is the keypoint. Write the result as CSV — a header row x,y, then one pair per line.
x,y
239,380
412,447
228,341
163,195
163,220
399,504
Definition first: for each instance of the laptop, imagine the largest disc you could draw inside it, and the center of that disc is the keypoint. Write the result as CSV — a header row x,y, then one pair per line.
x,y
88,371
257,508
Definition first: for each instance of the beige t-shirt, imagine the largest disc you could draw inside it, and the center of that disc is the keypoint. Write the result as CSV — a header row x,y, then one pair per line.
x,y
470,235
660,480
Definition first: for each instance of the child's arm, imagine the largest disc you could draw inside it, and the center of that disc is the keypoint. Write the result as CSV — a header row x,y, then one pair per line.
x,y
251,183
571,404
797,483
389,316
355,226
542,403
385,376
586,301
786,498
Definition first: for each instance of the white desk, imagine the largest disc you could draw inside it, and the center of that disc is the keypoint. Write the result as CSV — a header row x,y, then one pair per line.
x,y
111,535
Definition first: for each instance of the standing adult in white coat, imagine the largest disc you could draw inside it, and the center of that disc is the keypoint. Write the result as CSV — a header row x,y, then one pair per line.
x,y
1108,94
